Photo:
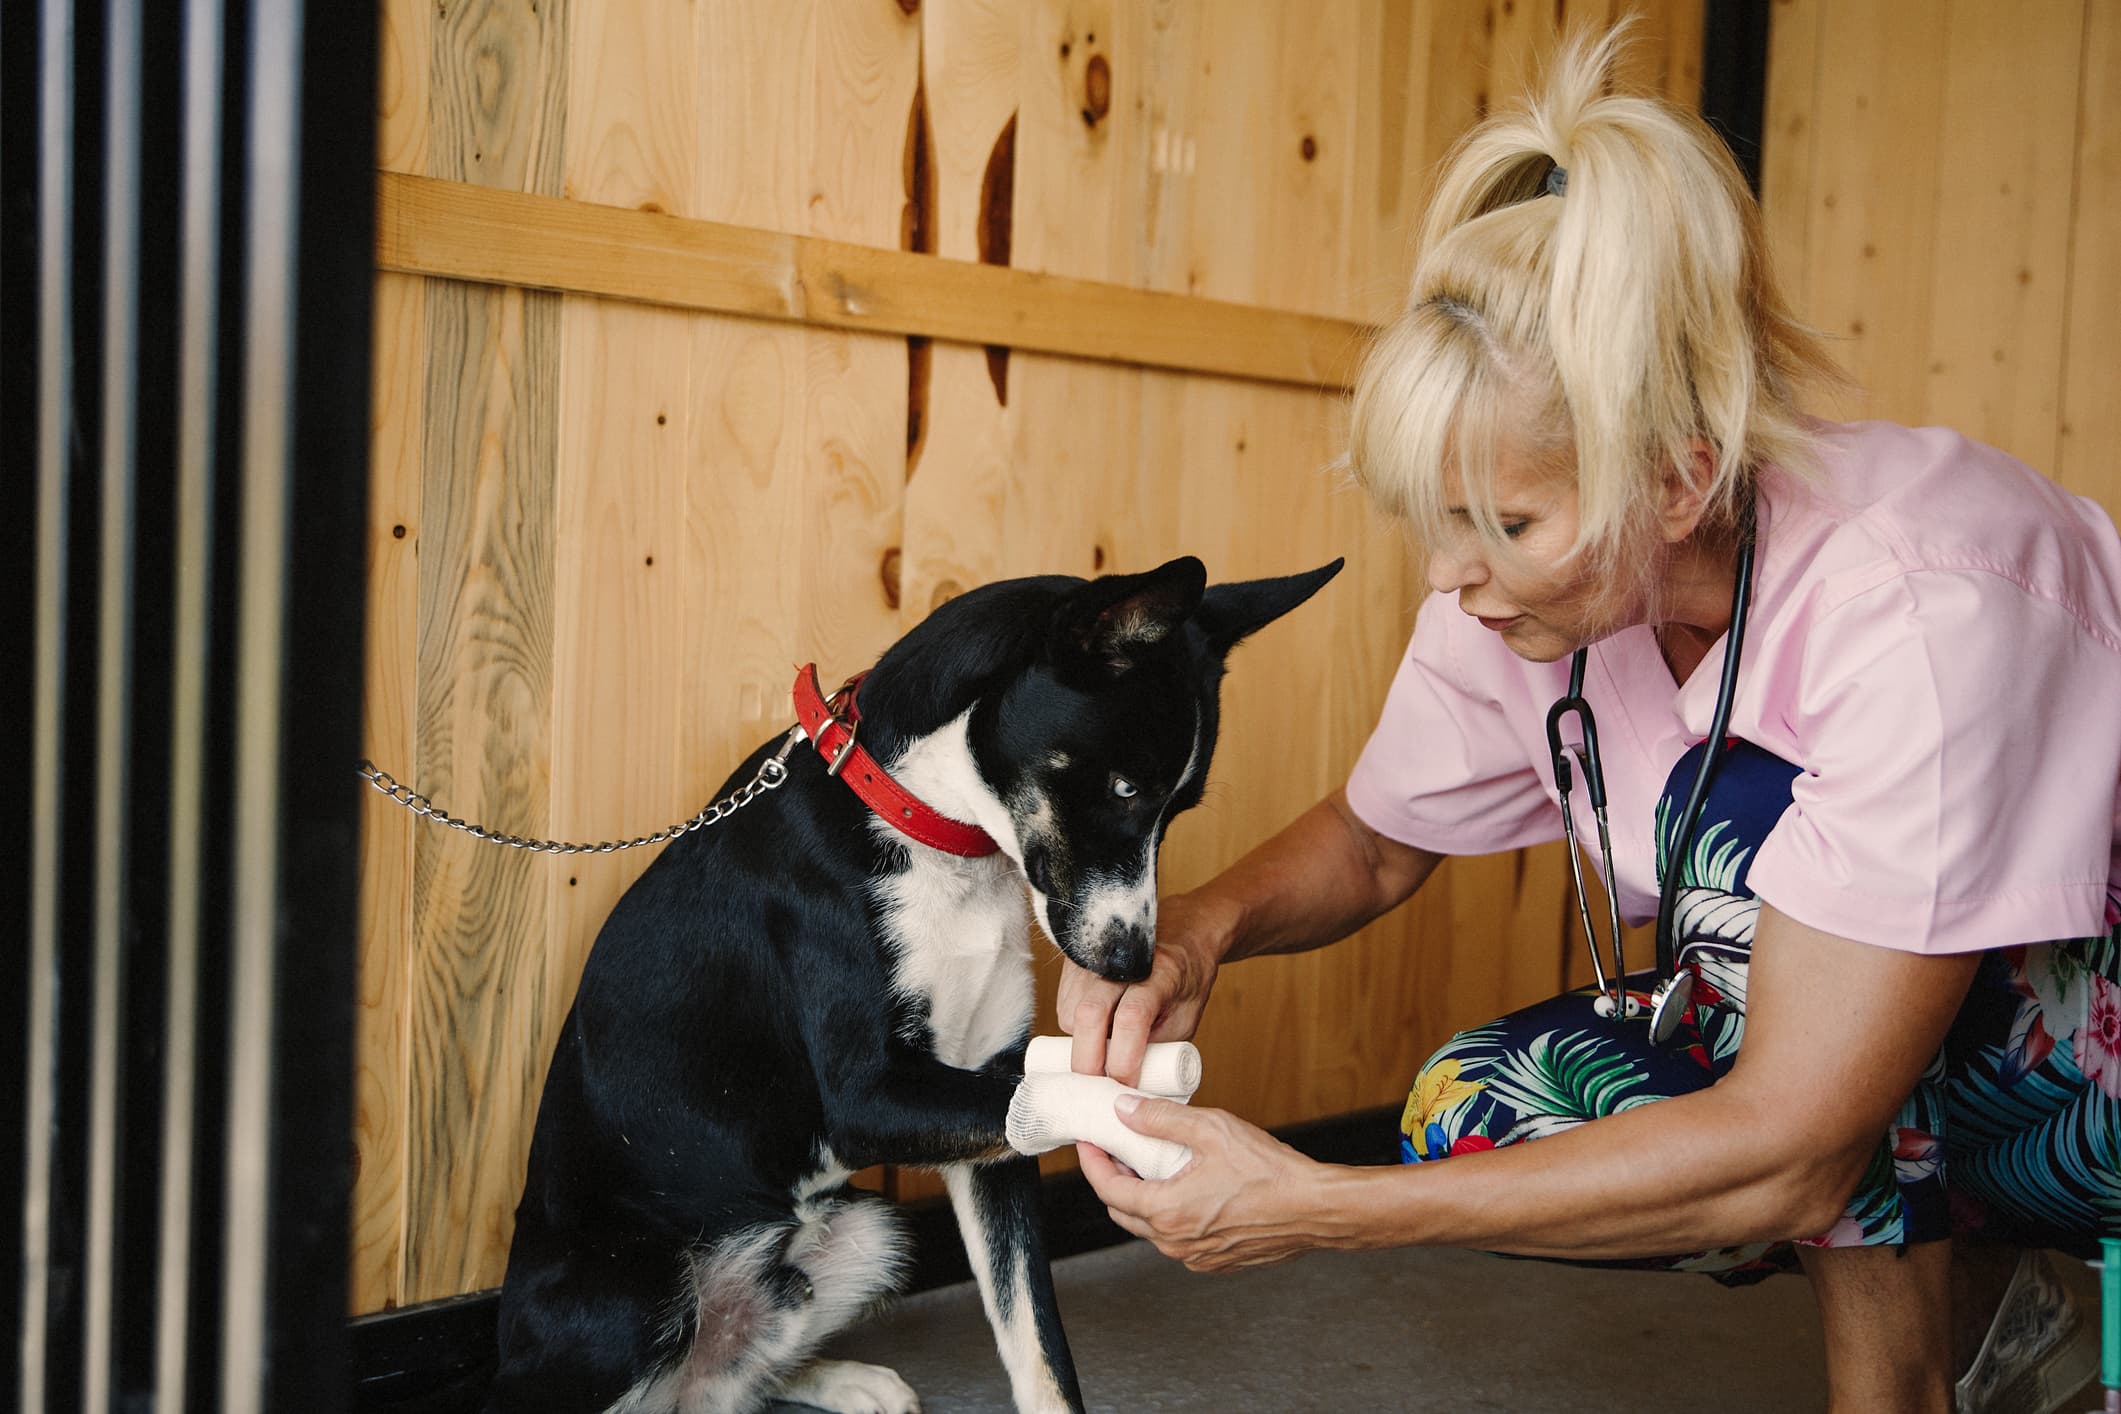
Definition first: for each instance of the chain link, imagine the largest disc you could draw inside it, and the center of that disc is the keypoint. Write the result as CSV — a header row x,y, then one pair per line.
x,y
771,773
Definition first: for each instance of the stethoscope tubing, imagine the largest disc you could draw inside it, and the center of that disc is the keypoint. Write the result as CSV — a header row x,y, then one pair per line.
x,y
1711,757
1573,703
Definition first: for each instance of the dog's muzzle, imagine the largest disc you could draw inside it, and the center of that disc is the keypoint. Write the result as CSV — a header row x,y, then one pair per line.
x,y
1124,953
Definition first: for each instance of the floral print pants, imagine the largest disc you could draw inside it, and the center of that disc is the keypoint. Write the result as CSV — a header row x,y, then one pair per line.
x,y
2013,1131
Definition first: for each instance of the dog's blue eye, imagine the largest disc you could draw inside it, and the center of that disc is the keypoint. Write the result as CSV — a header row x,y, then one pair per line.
x,y
1123,788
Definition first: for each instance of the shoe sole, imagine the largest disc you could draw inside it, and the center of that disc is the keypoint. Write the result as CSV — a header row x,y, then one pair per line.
x,y
2051,1383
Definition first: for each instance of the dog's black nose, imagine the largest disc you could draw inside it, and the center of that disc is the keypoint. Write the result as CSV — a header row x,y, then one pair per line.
x,y
1127,959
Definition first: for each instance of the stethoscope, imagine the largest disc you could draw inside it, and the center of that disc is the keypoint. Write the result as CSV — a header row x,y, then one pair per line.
x,y
1674,989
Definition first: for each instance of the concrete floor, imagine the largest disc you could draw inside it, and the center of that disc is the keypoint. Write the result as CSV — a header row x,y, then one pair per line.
x,y
1412,1331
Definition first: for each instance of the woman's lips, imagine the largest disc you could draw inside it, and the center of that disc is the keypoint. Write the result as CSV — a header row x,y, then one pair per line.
x,y
1498,625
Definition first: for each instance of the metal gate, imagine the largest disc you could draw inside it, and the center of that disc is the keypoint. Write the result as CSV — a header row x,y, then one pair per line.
x,y
185,256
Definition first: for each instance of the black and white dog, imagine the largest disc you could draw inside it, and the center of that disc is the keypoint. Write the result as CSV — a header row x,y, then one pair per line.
x,y
802,990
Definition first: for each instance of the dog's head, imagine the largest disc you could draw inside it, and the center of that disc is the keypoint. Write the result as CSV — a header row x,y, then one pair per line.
x,y
1108,735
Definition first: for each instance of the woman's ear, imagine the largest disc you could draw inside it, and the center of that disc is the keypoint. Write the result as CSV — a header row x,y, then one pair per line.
x,y
1685,497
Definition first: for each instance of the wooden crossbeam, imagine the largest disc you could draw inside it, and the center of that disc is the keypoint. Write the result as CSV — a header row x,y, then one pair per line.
x,y
457,231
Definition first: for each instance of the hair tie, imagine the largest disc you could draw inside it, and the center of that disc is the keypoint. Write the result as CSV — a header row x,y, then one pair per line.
x,y
1557,181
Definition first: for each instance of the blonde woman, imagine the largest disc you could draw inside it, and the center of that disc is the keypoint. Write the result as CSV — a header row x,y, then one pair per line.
x,y
1587,417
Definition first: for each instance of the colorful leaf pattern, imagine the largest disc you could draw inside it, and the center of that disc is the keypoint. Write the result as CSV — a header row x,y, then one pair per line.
x,y
2014,1129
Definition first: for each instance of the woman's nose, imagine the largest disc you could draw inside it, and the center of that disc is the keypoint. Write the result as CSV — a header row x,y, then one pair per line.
x,y
1453,567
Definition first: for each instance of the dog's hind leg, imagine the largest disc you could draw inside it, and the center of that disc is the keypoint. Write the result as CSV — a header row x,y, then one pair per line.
x,y
997,1214
849,1252
755,1305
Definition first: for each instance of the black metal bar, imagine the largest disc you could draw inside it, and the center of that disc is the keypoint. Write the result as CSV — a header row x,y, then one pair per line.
x,y
62,824
191,466
143,808
298,653
320,878
20,56
1734,55
183,1303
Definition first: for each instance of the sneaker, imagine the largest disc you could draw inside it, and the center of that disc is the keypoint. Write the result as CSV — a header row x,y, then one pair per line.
x,y
2039,1350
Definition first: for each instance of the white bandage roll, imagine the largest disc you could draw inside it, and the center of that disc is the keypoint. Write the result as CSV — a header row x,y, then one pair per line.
x,y
1051,1108
1169,1068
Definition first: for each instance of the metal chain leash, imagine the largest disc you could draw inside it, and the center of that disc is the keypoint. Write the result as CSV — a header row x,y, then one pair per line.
x,y
772,772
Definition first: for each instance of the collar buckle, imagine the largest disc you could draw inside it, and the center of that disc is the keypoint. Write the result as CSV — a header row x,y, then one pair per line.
x,y
838,758
817,715
840,711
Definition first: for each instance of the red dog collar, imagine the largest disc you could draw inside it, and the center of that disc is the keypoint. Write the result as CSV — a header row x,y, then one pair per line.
x,y
831,725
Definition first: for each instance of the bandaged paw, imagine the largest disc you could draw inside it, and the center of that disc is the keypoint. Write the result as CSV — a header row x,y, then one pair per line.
x,y
1169,1068
1051,1109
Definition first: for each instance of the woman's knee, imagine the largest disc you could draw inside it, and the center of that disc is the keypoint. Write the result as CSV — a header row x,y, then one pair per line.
x,y
1535,1072
1435,1122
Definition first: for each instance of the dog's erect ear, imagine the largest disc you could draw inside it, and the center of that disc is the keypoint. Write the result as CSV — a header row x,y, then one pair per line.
x,y
1231,612
1108,624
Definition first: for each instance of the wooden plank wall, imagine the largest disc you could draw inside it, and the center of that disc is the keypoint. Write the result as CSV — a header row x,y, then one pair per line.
x,y
1943,185
601,532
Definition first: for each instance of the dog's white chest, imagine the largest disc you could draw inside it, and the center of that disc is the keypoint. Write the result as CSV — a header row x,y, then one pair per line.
x,y
960,932
959,928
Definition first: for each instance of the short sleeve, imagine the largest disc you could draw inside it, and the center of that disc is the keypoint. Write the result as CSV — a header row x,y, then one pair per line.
x,y
1959,742
1443,771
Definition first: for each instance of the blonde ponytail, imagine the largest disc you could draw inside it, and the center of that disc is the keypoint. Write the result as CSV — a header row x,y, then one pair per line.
x,y
1602,317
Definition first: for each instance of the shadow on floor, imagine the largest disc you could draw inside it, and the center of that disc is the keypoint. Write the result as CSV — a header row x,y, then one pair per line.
x,y
1408,1330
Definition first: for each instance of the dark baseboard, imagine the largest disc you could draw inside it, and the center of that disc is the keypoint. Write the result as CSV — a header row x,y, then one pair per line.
x,y
437,1357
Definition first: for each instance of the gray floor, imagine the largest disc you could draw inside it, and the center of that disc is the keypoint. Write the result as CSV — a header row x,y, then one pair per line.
x,y
1413,1330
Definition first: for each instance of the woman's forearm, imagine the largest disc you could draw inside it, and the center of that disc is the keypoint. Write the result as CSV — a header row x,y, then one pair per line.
x,y
1837,1034
1315,882
1682,1175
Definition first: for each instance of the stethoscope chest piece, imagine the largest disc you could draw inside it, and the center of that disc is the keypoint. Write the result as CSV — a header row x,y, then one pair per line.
x,y
1668,1004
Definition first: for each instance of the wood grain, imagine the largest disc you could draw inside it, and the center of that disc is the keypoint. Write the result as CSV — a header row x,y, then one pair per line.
x,y
382,1073
624,425
1790,144
1387,136
854,433
1928,202
2004,187
485,719
955,497
754,69
2090,427
485,663
1871,248
404,46
463,233
382,1078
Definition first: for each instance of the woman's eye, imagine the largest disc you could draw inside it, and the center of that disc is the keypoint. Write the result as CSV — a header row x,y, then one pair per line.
x,y
1123,788
1511,529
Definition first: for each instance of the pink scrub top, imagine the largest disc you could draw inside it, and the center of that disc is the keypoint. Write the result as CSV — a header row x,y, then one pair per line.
x,y
1935,644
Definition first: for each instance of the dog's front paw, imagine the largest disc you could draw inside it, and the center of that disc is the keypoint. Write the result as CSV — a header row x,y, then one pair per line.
x,y
1050,1110
851,1387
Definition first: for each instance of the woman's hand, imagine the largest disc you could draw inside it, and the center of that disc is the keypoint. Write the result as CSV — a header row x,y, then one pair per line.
x,y
1325,875
1113,1022
1245,1200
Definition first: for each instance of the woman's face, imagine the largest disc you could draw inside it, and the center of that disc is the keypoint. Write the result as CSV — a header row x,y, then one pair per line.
x,y
1544,608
